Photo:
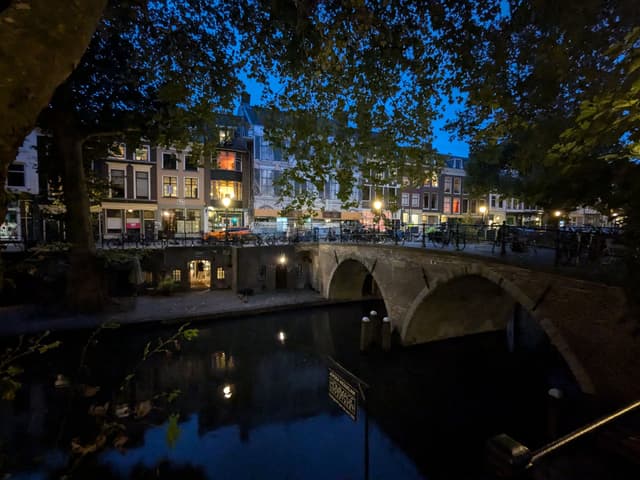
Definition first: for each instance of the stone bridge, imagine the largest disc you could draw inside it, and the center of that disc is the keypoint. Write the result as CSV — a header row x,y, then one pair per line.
x,y
436,295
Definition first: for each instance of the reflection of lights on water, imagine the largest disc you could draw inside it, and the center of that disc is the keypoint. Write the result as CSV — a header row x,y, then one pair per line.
x,y
282,337
226,391
282,259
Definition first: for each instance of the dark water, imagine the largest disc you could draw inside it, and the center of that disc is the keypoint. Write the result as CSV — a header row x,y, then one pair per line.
x,y
251,402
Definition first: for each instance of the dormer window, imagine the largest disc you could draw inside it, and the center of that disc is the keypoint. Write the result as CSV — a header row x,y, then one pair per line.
x,y
15,176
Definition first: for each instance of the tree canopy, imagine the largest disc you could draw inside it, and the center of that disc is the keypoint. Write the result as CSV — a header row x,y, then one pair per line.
x,y
551,107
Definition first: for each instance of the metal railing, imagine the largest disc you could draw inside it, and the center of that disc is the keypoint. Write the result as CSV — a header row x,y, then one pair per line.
x,y
511,458
563,247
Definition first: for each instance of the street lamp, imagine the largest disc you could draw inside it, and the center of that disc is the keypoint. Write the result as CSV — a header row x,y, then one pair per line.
x,y
557,213
483,210
377,206
226,201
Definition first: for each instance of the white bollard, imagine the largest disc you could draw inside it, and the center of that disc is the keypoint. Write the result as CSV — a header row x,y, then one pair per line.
x,y
365,334
386,334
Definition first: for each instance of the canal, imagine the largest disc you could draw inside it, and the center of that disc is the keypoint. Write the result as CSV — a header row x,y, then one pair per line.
x,y
247,399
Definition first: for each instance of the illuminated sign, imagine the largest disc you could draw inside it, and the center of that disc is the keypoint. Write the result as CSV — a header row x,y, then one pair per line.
x,y
341,392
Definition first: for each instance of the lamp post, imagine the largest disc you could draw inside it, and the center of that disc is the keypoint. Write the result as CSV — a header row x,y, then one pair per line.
x,y
226,201
483,230
483,210
377,207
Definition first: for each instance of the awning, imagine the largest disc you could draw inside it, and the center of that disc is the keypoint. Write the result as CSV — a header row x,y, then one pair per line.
x,y
128,206
265,212
52,209
351,216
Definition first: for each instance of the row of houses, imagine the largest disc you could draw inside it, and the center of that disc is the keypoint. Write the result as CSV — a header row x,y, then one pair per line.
x,y
156,192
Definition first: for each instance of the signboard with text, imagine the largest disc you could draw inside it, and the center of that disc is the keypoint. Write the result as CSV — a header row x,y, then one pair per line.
x,y
341,392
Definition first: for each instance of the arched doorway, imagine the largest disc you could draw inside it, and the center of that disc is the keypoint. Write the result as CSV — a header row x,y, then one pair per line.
x,y
200,274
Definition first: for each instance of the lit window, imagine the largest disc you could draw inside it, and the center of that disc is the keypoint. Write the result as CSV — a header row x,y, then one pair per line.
x,y
116,150
176,275
190,187
446,207
169,187
141,154
220,273
226,188
227,161
456,205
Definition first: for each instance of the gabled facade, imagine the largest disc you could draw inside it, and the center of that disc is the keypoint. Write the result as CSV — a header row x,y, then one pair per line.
x,y
230,176
23,184
129,210
181,198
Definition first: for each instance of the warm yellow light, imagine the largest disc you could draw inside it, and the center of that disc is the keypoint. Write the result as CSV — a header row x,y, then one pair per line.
x,y
166,213
557,213
283,259
483,209
282,337
377,205
226,391
226,201
615,215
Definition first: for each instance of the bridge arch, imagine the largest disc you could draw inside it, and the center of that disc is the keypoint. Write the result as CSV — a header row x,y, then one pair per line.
x,y
351,277
480,301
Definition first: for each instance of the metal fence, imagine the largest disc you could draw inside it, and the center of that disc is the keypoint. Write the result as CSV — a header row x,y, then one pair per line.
x,y
563,247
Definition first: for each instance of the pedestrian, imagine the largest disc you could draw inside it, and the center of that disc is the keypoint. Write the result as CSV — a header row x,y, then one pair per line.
x,y
200,270
502,237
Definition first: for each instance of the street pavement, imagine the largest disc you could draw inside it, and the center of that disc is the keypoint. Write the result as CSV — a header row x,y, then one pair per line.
x,y
193,306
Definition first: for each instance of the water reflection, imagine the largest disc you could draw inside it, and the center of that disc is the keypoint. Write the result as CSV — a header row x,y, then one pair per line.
x,y
248,399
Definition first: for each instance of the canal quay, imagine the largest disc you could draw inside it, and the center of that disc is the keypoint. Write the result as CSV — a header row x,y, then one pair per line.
x,y
309,382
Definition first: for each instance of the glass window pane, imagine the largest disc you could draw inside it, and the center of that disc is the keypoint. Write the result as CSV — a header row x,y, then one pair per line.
x,y
142,184
117,183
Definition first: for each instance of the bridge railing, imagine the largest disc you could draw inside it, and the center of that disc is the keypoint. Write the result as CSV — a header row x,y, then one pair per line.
x,y
562,247
510,458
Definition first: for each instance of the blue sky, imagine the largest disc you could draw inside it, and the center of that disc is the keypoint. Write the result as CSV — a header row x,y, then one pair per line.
x,y
442,142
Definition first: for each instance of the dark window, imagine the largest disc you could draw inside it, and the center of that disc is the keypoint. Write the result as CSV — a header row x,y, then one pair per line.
x,y
117,183
169,161
142,184
15,176
190,163
434,201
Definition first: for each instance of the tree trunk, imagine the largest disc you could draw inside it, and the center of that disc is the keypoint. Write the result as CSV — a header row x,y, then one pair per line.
x,y
85,289
41,41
